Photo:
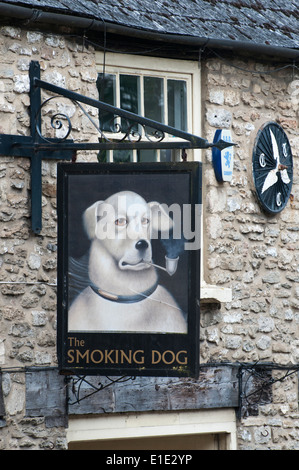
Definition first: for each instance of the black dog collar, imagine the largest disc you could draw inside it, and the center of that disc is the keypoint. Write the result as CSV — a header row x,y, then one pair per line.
x,y
124,298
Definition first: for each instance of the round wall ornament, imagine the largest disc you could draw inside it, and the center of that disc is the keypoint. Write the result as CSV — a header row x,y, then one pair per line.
x,y
272,167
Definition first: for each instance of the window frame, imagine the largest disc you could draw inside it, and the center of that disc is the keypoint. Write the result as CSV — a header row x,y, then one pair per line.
x,y
118,64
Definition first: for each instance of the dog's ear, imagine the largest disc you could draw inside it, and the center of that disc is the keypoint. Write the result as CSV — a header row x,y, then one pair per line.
x,y
161,221
90,218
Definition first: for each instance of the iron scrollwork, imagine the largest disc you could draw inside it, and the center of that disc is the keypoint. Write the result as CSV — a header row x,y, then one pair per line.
x,y
56,122
134,134
78,381
255,385
120,129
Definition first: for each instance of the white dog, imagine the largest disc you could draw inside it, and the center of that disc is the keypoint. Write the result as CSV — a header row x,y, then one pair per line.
x,y
124,294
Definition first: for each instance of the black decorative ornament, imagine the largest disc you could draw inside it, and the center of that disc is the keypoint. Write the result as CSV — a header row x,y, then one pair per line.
x,y
272,166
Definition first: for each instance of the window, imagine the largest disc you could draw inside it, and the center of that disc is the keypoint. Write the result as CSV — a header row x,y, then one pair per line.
x,y
158,89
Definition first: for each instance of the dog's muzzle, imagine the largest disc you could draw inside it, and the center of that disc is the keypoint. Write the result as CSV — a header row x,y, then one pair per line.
x,y
142,264
139,258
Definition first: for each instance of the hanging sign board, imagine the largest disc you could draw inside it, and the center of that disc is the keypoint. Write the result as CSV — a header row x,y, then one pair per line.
x,y
128,268
223,160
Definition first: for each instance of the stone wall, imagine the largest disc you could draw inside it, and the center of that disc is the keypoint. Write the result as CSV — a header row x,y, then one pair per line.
x,y
28,273
255,255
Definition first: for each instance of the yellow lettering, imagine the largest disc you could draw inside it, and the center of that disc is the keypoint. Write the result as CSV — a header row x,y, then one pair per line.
x,y
93,359
172,357
107,356
169,357
70,356
76,342
141,360
156,357
124,356
83,356
185,360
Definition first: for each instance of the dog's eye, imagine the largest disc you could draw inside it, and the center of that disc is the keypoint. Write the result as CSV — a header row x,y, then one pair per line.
x,y
121,222
145,221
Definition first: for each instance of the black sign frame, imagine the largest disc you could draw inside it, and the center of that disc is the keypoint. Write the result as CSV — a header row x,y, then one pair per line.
x,y
113,352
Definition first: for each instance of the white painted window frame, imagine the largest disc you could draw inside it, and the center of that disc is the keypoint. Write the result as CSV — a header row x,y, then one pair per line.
x,y
188,71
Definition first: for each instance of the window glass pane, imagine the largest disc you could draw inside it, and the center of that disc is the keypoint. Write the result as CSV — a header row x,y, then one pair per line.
x,y
129,98
177,104
154,98
122,156
102,156
165,155
146,155
107,94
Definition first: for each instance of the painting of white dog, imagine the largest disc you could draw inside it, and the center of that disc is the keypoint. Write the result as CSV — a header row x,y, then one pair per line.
x,y
123,292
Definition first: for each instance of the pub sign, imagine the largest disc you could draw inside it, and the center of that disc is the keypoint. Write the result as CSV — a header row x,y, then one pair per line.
x,y
129,268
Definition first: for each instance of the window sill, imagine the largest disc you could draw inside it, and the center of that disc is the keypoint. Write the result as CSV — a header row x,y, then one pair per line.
x,y
214,294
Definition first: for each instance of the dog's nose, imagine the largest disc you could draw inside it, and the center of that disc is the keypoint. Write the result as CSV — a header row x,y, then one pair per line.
x,y
141,245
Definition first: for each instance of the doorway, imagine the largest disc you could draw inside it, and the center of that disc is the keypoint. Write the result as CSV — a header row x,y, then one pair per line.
x,y
184,430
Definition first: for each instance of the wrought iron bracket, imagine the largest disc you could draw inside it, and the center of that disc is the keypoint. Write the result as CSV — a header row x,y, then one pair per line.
x,y
30,147
138,133
255,385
